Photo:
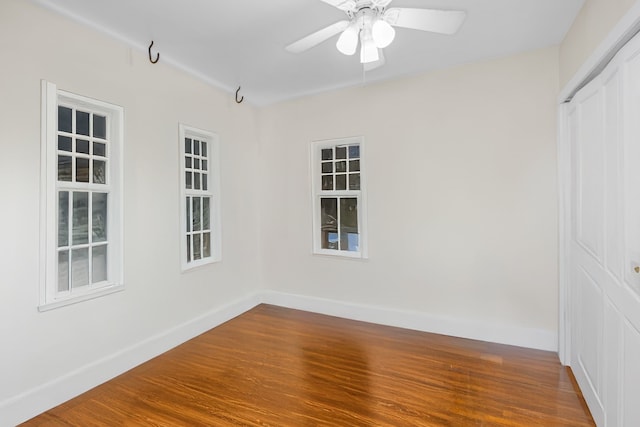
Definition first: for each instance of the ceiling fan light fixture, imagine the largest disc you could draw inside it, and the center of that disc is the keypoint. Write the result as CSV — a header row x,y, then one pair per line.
x,y
368,49
348,40
382,33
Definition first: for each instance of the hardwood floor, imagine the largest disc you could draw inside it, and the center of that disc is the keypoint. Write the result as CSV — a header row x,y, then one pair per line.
x,y
279,367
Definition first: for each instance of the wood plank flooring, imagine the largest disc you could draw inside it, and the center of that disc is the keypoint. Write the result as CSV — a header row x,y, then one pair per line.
x,y
279,367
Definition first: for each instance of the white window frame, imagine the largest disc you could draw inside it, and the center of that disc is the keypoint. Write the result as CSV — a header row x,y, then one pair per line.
x,y
50,297
318,194
212,192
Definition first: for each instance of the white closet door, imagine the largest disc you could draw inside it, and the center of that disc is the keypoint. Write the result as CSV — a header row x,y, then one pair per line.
x,y
603,131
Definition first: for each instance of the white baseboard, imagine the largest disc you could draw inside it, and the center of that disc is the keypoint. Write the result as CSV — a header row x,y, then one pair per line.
x,y
27,405
464,328
35,401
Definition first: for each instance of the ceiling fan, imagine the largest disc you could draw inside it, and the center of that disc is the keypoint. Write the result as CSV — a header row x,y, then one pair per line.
x,y
371,23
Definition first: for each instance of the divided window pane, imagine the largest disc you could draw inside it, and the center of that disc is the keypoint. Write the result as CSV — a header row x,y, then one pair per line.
x,y
99,149
82,170
63,218
99,217
329,222
198,237
99,126
80,158
82,123
338,186
338,174
63,271
79,267
82,146
349,224
65,119
206,245
99,264
82,215
65,143
99,172
86,212
80,218
64,168
205,213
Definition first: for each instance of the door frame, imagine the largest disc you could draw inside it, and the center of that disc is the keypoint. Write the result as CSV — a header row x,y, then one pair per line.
x,y
624,31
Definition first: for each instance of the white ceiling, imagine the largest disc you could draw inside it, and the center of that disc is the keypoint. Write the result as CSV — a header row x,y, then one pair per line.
x,y
241,42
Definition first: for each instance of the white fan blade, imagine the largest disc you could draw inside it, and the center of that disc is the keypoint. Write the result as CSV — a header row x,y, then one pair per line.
x,y
346,5
436,21
380,3
376,64
318,37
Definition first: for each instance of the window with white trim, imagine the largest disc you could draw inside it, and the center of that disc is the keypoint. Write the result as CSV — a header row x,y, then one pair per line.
x,y
339,205
82,237
200,212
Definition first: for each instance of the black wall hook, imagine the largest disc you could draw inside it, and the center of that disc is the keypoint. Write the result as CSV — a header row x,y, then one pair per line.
x,y
157,55
241,99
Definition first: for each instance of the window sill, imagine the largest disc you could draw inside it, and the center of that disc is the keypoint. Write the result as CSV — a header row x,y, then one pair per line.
x,y
84,297
339,254
195,265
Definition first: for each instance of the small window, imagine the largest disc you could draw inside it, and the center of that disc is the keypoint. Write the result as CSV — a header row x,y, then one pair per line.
x,y
200,211
81,198
339,198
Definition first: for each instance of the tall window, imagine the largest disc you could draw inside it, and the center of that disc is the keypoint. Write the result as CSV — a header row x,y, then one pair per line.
x,y
82,197
200,219
339,207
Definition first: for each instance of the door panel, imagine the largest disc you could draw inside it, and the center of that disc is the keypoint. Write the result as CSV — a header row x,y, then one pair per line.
x,y
589,180
603,135
612,346
631,376
590,331
632,175
589,338
614,259
588,189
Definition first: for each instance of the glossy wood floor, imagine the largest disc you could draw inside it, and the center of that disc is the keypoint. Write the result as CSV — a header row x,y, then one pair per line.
x,y
278,367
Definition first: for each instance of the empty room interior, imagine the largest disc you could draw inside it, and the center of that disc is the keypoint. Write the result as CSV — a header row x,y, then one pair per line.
x,y
320,212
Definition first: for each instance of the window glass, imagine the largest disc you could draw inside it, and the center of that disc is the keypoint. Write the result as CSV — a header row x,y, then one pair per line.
x,y
64,143
99,172
63,218
99,217
99,126
79,267
64,168
99,264
82,169
349,224
65,119
99,149
82,146
82,123
329,222
80,218
63,271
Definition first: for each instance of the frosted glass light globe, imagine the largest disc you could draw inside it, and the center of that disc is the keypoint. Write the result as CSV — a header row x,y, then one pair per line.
x,y
382,33
348,40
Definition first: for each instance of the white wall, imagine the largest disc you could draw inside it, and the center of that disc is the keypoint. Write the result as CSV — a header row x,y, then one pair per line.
x,y
36,348
593,23
462,195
